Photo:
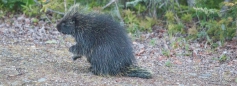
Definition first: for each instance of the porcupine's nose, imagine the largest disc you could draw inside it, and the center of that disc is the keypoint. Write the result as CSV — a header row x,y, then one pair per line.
x,y
58,27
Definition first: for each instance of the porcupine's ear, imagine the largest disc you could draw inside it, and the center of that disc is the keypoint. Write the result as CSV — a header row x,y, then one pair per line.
x,y
67,23
71,11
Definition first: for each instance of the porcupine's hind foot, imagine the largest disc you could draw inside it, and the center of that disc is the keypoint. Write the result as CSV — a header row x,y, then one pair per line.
x,y
74,58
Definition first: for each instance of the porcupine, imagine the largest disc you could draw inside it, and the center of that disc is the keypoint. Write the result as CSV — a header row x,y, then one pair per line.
x,y
103,41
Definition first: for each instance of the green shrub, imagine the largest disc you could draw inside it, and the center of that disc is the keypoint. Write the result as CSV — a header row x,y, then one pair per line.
x,y
175,28
187,18
169,16
12,5
134,24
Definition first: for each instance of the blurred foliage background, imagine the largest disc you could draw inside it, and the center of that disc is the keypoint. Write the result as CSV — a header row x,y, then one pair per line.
x,y
199,20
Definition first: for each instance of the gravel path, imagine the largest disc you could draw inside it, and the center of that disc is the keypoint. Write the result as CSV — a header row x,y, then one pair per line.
x,y
36,54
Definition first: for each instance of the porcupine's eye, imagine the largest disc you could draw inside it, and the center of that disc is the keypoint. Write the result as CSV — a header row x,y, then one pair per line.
x,y
71,22
63,24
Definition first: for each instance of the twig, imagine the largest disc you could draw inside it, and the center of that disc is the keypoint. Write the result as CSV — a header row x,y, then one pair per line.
x,y
118,13
50,10
48,19
111,1
36,2
65,5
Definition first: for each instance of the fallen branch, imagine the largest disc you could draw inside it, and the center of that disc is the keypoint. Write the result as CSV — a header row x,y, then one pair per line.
x,y
118,13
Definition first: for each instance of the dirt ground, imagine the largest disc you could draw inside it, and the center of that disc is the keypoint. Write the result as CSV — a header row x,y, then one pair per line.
x,y
36,54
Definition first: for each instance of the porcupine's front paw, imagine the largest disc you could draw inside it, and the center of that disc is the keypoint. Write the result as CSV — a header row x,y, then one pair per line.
x,y
74,49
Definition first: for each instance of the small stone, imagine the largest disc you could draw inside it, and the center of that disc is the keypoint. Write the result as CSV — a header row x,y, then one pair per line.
x,y
204,76
193,74
42,80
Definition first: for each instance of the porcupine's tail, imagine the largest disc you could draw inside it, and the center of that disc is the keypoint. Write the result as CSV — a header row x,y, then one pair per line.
x,y
135,71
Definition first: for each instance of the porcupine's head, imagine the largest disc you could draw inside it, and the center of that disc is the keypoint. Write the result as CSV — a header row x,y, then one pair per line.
x,y
67,23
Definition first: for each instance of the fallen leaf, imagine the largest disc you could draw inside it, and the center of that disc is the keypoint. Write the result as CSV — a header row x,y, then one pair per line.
x,y
51,42
141,52
160,58
178,62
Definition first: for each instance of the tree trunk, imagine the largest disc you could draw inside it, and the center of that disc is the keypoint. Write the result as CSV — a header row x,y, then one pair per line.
x,y
224,8
191,3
